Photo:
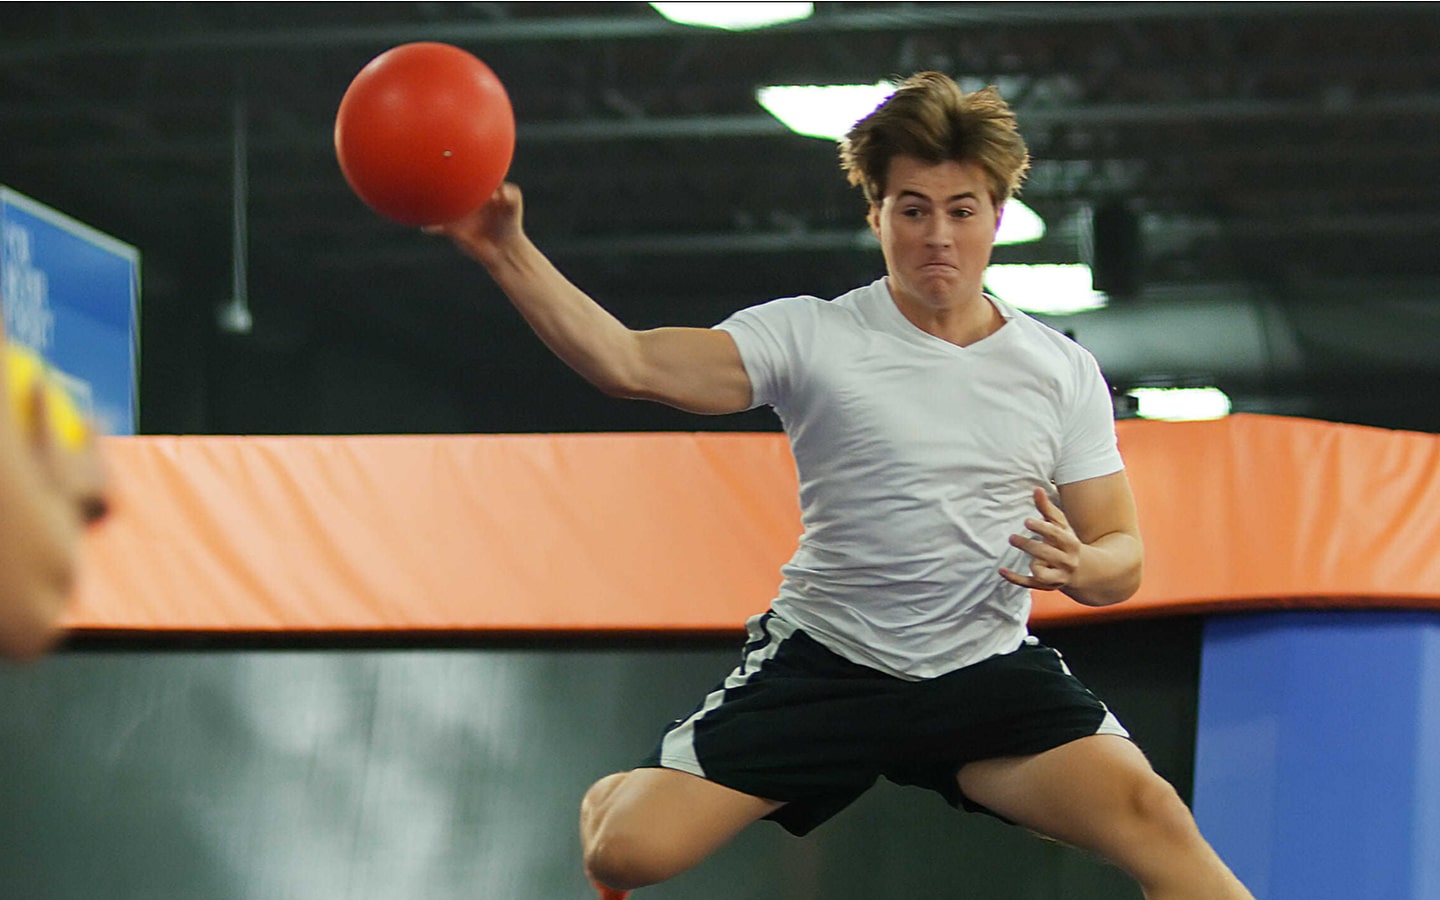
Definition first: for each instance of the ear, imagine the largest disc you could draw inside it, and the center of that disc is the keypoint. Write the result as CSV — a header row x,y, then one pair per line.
x,y
999,215
872,218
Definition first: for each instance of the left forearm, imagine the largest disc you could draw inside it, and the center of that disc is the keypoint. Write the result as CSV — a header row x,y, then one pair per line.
x,y
1109,570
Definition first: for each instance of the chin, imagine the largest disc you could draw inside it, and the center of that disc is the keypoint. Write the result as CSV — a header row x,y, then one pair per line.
x,y
946,291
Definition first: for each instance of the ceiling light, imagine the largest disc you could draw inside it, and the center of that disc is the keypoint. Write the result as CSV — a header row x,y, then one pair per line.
x,y
1050,289
1019,224
1181,404
826,111
734,16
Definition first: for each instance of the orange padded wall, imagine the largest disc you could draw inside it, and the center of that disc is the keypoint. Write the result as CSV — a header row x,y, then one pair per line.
x,y
686,532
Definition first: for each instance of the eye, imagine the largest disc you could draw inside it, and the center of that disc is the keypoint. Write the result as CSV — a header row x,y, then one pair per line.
x,y
963,212
912,212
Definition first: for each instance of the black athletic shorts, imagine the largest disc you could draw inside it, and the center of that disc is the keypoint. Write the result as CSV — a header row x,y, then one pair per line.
x,y
797,723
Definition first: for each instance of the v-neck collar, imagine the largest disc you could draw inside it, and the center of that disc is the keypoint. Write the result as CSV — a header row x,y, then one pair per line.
x,y
895,322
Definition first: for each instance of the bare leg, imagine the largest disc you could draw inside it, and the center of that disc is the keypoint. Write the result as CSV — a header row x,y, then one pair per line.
x,y
1100,794
642,827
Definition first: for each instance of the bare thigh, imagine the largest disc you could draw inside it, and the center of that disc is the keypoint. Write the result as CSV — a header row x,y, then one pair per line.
x,y
1100,794
647,825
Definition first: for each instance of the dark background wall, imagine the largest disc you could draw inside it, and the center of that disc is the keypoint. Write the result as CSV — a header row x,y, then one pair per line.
x,y
154,770
1273,166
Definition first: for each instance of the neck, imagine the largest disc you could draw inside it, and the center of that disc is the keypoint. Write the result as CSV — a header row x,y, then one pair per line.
x,y
962,323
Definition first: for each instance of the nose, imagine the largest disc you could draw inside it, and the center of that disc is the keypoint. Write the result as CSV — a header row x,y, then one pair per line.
x,y
937,232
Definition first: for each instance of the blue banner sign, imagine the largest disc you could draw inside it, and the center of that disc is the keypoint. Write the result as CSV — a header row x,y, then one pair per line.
x,y
72,294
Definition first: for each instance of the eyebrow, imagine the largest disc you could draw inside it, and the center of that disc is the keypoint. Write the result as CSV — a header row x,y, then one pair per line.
x,y
967,195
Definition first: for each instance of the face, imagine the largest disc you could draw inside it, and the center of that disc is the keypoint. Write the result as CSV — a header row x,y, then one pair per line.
x,y
936,226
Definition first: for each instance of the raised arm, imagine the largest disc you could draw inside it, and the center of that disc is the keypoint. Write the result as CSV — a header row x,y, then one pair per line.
x,y
694,369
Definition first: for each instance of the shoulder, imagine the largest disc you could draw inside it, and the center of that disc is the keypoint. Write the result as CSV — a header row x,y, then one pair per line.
x,y
802,305
1047,338
809,309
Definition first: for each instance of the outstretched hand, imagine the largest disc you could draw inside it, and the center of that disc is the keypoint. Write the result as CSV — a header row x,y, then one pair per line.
x,y
1054,552
485,234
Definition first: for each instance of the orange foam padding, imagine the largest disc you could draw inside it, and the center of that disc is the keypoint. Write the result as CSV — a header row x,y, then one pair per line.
x,y
687,532
574,532
1264,512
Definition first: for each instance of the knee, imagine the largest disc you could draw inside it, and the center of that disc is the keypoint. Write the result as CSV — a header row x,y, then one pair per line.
x,y
616,858
1166,852
1155,808
617,851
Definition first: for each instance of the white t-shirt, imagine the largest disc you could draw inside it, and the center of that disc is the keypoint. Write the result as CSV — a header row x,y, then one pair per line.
x,y
917,458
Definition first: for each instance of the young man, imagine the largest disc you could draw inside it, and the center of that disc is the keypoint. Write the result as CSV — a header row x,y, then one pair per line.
x,y
931,424
48,496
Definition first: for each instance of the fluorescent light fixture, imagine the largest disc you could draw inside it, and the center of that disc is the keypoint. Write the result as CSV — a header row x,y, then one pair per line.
x,y
1050,289
1019,224
734,16
1181,404
826,111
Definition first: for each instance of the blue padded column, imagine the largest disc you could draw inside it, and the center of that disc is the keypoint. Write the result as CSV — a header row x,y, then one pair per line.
x,y
1317,763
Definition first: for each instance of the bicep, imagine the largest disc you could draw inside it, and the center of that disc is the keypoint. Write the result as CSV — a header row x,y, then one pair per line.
x,y
695,369
1096,507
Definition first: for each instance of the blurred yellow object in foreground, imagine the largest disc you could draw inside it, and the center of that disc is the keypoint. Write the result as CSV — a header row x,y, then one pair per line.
x,y
23,367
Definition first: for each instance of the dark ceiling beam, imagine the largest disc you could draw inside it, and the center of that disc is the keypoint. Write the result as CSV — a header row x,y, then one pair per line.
x,y
888,17
1424,105
1171,113
1416,106
1058,248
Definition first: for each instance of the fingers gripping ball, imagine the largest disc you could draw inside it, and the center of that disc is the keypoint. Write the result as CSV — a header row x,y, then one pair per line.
x,y
23,370
425,133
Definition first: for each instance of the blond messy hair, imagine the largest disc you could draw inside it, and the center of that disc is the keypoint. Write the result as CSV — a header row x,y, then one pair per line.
x,y
931,119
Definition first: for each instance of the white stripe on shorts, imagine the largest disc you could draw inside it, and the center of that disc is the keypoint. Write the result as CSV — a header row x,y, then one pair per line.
x,y
1109,724
677,749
